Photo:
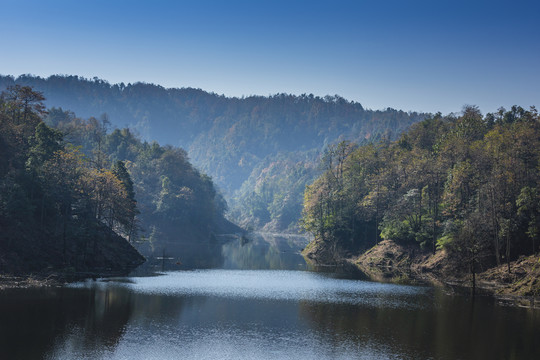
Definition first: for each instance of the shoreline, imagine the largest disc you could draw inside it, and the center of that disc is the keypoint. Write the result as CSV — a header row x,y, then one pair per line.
x,y
393,263
454,285
50,279
8,282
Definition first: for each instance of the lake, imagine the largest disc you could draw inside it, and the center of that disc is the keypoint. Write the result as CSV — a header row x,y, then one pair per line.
x,y
263,302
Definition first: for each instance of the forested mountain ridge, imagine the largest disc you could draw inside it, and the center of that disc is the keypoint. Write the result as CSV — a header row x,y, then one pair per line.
x,y
178,204
271,198
58,211
465,186
73,192
228,138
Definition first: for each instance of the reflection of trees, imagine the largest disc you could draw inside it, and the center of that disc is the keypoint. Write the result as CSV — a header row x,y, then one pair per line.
x,y
257,251
109,310
35,322
450,329
31,320
149,307
182,254
264,251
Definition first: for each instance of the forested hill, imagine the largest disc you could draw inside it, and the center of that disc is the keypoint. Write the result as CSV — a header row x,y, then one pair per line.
x,y
59,212
230,138
72,192
467,187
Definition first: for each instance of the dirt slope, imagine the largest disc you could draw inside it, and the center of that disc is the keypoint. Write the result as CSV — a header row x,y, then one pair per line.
x,y
389,261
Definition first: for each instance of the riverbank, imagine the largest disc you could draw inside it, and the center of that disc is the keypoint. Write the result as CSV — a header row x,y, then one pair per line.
x,y
391,262
30,281
45,261
52,278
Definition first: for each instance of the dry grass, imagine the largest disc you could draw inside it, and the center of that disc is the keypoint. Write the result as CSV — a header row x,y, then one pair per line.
x,y
388,260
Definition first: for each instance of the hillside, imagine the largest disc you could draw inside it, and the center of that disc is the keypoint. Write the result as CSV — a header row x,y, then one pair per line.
x,y
392,262
230,139
78,198
464,186
58,212
179,210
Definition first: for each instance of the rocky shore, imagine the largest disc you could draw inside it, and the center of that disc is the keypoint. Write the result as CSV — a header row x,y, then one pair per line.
x,y
391,262
22,282
52,279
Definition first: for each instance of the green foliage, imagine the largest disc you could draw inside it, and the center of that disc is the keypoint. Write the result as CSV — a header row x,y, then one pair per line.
x,y
528,204
444,242
466,184
234,140
273,194
43,145
158,180
64,190
396,230
53,201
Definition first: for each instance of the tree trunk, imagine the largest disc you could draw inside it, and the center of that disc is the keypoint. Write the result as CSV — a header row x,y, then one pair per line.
x,y
64,238
473,277
377,215
508,251
495,227
42,215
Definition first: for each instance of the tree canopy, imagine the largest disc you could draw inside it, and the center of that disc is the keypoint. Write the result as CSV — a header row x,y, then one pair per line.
x,y
69,184
236,141
467,184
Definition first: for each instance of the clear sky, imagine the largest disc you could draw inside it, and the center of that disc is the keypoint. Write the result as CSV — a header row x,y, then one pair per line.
x,y
431,56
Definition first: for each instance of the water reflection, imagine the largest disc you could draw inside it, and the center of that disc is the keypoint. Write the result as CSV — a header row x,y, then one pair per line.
x,y
31,320
265,251
260,314
449,327
272,312
251,251
238,314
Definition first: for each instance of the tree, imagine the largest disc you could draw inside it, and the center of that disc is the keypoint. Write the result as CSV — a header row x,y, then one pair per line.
x,y
128,210
24,104
21,109
45,142
528,203
61,176
468,184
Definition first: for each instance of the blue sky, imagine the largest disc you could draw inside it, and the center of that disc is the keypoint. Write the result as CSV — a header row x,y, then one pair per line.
x,y
406,54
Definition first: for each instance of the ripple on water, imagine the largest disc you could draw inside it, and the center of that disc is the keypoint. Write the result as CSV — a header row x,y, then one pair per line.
x,y
280,285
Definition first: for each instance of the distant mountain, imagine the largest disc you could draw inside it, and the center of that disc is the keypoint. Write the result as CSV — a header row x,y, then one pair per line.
x,y
233,140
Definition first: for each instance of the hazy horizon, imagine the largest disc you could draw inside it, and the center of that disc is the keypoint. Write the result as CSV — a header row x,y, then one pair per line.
x,y
415,56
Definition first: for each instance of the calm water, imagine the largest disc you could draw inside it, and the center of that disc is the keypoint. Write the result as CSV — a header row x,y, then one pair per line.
x,y
263,303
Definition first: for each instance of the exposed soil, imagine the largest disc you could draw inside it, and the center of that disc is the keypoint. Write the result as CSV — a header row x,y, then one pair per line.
x,y
317,252
522,280
389,261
